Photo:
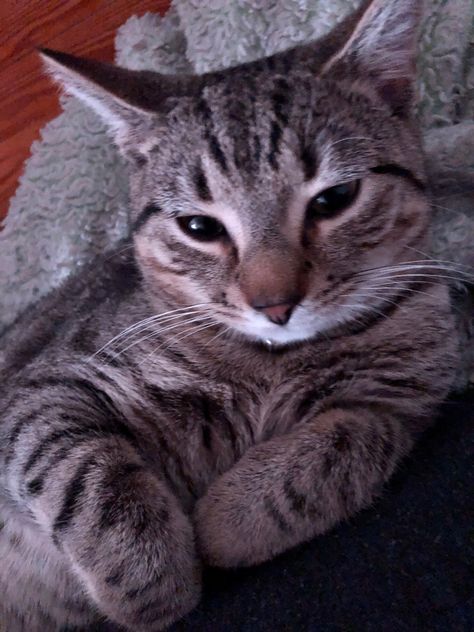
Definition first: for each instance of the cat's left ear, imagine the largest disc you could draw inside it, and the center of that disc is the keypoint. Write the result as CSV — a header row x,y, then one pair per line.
x,y
382,48
123,99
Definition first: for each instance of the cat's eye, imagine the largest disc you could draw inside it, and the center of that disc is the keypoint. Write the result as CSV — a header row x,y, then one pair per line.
x,y
202,227
332,201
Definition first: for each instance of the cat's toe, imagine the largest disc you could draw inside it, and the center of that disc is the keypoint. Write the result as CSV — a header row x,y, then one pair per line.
x,y
151,596
220,534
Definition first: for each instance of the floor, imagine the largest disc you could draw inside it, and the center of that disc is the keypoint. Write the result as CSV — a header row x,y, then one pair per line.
x,y
27,98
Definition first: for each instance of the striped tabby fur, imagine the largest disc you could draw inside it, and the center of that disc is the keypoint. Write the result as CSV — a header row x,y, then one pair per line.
x,y
157,413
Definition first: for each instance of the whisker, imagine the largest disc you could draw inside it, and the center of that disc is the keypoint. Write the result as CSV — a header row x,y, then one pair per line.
x,y
450,210
413,275
377,296
146,321
174,339
405,289
152,325
343,140
366,307
431,258
162,330
214,338
121,251
421,264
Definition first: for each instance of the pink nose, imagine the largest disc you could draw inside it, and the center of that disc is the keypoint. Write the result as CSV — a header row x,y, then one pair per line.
x,y
279,314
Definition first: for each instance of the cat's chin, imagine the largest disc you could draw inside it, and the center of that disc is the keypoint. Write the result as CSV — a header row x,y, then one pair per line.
x,y
277,336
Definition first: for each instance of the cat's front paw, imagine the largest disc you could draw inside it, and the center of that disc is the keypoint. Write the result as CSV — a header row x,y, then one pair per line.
x,y
228,531
139,564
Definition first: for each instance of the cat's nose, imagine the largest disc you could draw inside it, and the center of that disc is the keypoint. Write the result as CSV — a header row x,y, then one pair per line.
x,y
279,313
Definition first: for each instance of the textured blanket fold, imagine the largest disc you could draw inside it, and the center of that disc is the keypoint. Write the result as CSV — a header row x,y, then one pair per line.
x,y
72,199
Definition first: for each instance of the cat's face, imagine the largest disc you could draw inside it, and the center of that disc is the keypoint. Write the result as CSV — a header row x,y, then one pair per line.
x,y
269,190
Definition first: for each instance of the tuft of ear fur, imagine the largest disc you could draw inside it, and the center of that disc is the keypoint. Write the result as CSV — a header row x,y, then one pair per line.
x,y
382,47
122,98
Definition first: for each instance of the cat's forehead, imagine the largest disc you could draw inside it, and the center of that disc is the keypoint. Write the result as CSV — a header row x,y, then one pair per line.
x,y
271,128
245,96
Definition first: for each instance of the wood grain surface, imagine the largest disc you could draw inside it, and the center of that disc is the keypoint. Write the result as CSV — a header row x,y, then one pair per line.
x,y
28,99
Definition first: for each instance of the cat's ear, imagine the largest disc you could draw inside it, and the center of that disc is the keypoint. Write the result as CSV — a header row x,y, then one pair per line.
x,y
122,98
382,47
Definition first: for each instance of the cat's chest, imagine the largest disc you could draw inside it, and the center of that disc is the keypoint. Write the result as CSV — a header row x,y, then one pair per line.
x,y
205,425
222,419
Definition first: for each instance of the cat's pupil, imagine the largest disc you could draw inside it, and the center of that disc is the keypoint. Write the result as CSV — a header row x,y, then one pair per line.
x,y
202,227
333,200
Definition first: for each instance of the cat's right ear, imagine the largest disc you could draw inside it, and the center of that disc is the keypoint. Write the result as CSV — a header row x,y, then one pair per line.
x,y
378,43
122,98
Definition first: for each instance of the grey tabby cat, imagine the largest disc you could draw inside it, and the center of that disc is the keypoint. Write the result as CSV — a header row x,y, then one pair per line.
x,y
249,370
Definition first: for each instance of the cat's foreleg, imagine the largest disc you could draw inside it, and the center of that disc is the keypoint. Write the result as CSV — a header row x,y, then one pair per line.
x,y
77,472
293,487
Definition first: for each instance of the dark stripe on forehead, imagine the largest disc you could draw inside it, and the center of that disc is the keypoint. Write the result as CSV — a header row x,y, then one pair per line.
x,y
400,172
214,146
201,184
149,211
310,162
216,151
204,109
257,148
275,137
281,101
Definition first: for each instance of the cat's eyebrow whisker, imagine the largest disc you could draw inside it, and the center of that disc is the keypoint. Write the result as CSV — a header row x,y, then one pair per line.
x,y
145,321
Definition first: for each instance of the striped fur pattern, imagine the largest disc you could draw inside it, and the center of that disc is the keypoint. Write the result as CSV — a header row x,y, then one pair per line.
x,y
153,416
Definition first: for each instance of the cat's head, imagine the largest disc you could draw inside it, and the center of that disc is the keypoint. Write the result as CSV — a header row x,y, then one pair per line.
x,y
268,190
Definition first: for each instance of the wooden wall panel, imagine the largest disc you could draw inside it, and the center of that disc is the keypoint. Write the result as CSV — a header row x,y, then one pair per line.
x,y
28,99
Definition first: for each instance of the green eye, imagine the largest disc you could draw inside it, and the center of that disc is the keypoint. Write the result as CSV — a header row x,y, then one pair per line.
x,y
330,202
202,227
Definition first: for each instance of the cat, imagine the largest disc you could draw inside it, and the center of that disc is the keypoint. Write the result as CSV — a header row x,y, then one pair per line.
x,y
250,367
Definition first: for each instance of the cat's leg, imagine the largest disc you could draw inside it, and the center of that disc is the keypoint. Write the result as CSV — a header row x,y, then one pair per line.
x,y
291,488
76,471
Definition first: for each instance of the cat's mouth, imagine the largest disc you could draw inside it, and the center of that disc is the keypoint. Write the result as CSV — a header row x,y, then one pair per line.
x,y
304,325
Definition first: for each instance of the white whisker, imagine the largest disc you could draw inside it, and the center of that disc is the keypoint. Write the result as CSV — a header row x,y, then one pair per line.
x,y
121,251
419,265
450,210
442,261
366,307
343,140
413,275
214,338
143,323
153,325
162,330
391,288
379,297
175,339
